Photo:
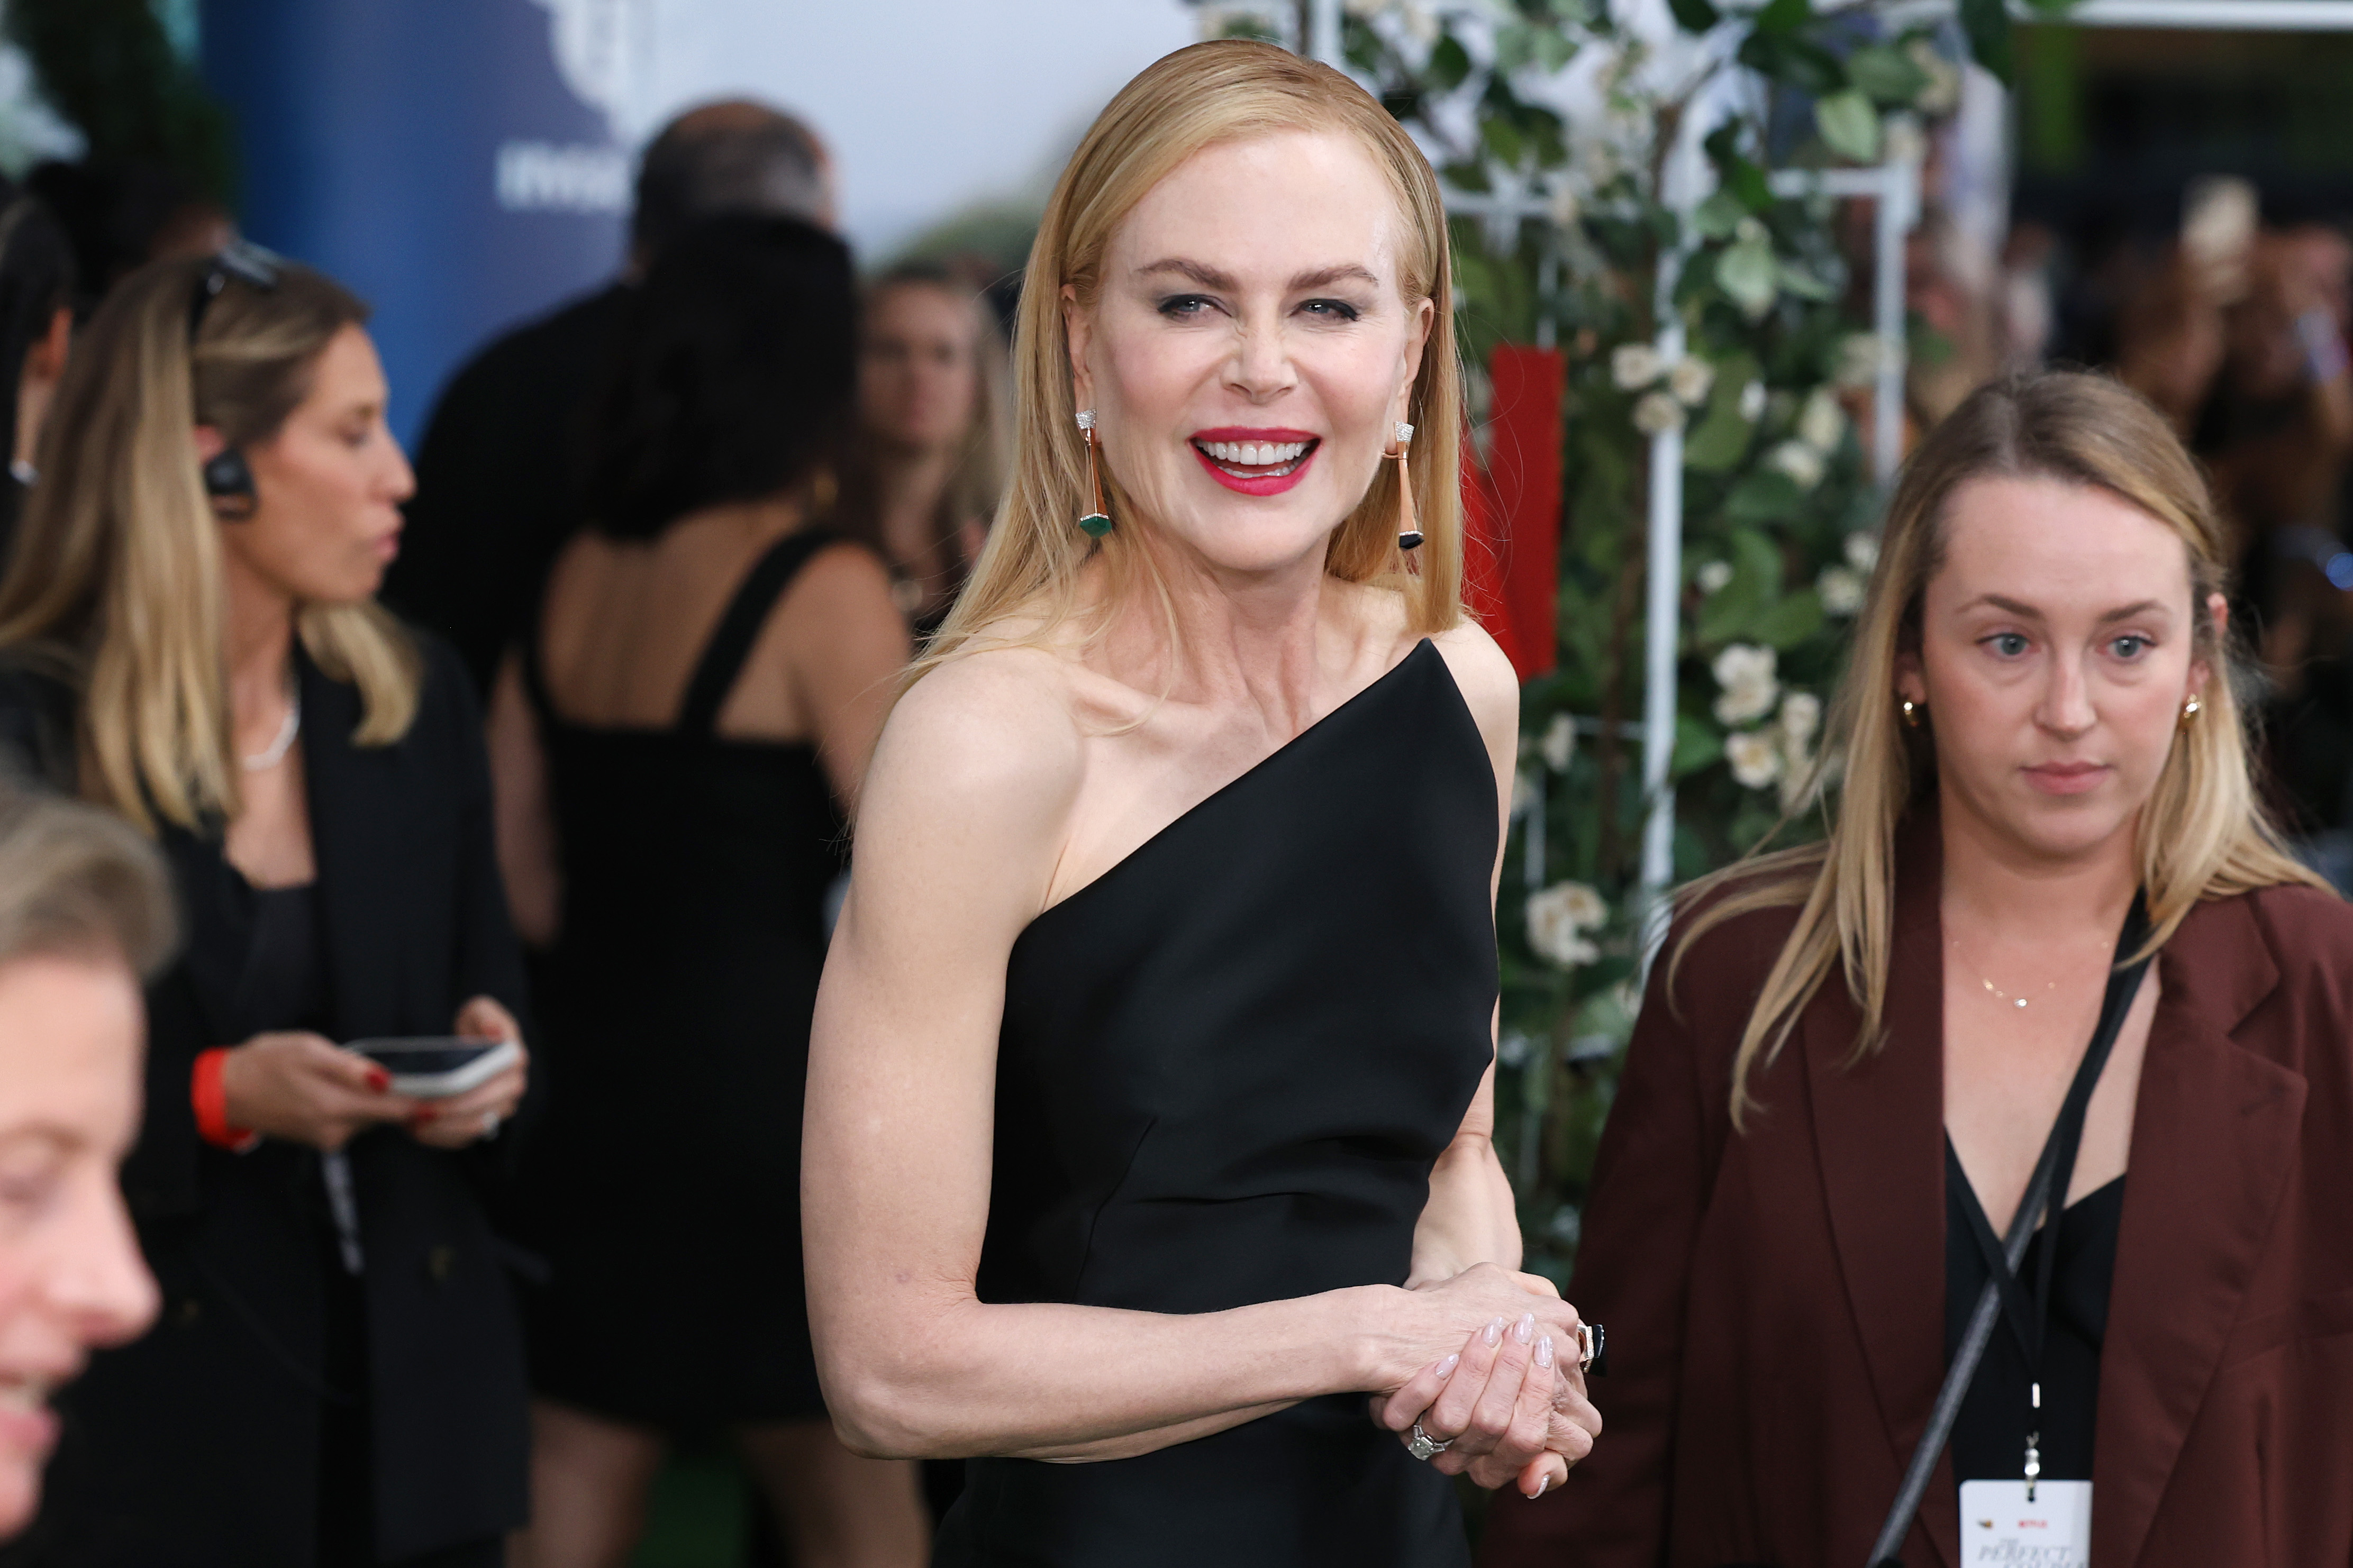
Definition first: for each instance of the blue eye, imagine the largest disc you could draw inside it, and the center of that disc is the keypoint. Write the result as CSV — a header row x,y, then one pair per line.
x,y
1337,310
1182,305
2008,645
2129,646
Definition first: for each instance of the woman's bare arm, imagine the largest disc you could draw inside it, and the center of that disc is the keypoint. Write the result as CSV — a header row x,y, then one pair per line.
x,y
965,813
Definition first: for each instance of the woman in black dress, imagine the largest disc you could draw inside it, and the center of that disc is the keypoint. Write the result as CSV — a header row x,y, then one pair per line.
x,y
191,639
1150,1088
680,742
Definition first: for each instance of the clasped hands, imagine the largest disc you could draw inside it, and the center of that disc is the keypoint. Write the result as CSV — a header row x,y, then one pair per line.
x,y
1509,1403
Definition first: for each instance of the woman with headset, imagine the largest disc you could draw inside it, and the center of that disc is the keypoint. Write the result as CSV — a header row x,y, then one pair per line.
x,y
190,638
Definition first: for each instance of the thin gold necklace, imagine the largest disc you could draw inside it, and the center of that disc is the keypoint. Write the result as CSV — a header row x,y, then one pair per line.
x,y
1996,993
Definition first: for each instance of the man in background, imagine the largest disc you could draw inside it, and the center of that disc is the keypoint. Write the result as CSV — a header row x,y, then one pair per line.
x,y
497,485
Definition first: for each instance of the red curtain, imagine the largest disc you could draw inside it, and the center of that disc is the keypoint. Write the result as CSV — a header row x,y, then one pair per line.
x,y
1511,509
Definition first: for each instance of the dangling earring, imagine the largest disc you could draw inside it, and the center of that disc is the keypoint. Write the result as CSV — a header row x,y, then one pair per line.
x,y
1408,530
2190,712
1910,715
1097,522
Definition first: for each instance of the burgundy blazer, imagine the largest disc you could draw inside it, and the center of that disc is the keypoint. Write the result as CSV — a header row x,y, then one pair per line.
x,y
1776,1298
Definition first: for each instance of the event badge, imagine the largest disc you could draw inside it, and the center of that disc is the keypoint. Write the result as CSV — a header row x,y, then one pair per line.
x,y
2001,1530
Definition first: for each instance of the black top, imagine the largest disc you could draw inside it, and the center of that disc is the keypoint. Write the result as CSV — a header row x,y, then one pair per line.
x,y
1988,1441
499,480
203,1443
1226,1069
667,1181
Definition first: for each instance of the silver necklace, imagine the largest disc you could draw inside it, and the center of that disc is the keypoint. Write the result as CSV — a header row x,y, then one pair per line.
x,y
1996,993
275,752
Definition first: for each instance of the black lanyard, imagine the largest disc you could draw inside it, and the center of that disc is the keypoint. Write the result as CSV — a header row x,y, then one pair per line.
x,y
2029,1322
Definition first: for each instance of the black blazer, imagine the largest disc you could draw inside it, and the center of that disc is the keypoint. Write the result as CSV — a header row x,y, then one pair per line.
x,y
198,1444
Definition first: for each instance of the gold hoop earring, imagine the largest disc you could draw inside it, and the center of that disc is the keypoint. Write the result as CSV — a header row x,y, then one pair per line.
x,y
1911,714
1408,530
2190,712
1097,522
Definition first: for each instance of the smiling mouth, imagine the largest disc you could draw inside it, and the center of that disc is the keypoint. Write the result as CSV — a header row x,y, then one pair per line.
x,y
1257,459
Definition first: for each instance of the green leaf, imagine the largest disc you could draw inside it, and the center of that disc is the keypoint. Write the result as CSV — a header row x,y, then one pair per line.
x,y
1717,443
1468,174
1987,24
1504,139
1789,621
1804,284
1515,46
1718,215
1807,67
1694,16
1850,125
1450,63
1697,746
1748,274
1554,48
1768,496
1888,75
1784,16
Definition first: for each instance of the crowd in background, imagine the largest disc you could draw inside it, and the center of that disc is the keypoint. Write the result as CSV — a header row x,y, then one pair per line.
x,y
666,548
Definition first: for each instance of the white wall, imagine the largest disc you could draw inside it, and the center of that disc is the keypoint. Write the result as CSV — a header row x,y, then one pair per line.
x,y
930,105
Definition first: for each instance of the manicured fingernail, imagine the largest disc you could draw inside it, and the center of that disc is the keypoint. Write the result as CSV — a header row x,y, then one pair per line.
x,y
1525,1329
1544,1351
378,1079
1493,1333
1542,1487
420,1116
1446,1368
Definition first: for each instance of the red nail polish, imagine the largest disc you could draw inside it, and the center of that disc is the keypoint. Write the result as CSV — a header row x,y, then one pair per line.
x,y
421,1116
378,1079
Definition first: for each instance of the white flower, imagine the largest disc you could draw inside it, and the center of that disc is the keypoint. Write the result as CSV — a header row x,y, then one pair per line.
x,y
1822,421
1750,687
1903,142
1559,742
1860,356
1840,588
1799,460
1862,550
1801,716
1690,381
1751,231
1713,576
1634,366
1525,795
1567,207
1557,918
1942,95
1657,414
1752,402
1513,1048
1756,757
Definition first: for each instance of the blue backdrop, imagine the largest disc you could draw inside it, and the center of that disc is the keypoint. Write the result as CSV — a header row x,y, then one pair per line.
x,y
429,153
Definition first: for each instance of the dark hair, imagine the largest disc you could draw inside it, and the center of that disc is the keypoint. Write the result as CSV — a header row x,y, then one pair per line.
x,y
732,373
734,156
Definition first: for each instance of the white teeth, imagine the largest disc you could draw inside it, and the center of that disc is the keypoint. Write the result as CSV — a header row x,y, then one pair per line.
x,y
1255,453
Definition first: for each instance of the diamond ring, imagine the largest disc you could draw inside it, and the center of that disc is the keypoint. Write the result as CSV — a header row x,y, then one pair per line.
x,y
1424,1447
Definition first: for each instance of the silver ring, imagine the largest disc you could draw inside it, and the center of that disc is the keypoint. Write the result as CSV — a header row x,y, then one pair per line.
x,y
1424,1447
1590,1342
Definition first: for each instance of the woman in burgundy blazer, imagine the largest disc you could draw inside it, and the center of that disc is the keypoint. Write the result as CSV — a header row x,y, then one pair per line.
x,y
1776,1285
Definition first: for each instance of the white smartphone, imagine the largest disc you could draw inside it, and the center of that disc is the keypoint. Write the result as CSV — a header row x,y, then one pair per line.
x,y
438,1066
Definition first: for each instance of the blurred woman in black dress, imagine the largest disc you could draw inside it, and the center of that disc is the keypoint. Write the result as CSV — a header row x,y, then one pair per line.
x,y
680,744
190,638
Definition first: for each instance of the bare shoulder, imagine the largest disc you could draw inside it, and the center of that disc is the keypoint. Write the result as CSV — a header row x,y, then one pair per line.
x,y
988,739
1489,685
843,567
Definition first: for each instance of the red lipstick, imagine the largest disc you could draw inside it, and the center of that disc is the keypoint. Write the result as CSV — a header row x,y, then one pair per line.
x,y
1255,478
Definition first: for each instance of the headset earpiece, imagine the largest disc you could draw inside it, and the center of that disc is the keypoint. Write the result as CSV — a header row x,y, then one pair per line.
x,y
229,481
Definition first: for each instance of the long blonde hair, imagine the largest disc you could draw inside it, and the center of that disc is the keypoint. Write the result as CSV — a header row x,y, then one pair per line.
x,y
116,581
1028,575
2203,833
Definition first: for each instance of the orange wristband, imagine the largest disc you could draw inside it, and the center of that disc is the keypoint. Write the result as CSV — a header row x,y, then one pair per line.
x,y
211,1103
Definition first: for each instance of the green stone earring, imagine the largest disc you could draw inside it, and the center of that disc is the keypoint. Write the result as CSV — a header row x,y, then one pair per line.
x,y
1097,522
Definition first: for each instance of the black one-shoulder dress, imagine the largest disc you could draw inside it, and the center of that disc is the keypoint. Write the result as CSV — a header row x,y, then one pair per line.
x,y
1226,1069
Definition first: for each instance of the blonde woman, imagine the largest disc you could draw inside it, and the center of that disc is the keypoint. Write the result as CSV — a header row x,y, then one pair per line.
x,y
85,911
1853,1059
1152,1079
930,455
189,639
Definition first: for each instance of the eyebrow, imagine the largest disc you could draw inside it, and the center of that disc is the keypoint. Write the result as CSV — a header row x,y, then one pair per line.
x,y
1210,278
2016,607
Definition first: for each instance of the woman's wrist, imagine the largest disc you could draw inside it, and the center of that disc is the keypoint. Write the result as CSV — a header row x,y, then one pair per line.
x,y
208,1096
